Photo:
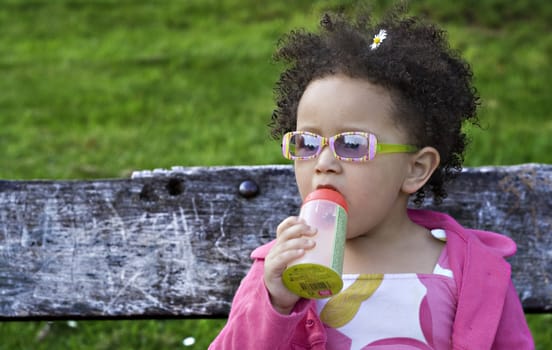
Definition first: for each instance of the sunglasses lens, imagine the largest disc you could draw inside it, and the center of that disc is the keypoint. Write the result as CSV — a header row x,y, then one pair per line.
x,y
352,146
303,145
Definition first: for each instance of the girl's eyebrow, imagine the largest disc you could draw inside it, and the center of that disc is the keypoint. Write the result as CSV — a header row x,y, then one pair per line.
x,y
314,130
356,129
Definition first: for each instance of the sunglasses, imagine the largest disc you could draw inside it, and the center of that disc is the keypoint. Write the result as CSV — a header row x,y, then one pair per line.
x,y
352,146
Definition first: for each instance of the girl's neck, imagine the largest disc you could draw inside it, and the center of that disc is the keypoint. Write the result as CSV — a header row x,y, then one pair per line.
x,y
399,246
386,236
394,228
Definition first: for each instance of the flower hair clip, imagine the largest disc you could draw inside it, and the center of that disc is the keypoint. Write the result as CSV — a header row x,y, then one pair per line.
x,y
378,38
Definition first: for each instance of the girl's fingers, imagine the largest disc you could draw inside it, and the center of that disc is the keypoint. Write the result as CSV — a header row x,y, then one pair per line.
x,y
283,253
293,245
279,260
293,227
286,224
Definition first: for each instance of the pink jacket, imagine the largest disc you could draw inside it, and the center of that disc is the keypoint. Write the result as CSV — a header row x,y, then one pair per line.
x,y
489,313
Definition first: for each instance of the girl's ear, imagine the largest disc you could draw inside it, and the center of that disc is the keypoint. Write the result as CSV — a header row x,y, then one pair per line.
x,y
422,165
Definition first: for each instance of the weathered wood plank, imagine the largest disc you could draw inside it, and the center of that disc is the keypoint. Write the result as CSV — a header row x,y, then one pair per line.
x,y
176,243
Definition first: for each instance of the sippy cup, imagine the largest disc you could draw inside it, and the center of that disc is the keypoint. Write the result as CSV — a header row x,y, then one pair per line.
x,y
317,274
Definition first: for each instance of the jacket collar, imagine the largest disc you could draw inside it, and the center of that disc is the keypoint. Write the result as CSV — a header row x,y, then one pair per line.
x,y
477,261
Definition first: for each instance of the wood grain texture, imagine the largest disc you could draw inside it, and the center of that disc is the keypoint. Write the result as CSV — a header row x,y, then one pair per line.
x,y
176,243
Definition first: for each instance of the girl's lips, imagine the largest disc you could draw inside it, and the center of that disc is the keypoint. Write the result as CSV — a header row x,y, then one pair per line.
x,y
329,187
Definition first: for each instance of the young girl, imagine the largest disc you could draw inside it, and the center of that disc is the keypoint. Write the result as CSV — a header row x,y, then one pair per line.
x,y
413,279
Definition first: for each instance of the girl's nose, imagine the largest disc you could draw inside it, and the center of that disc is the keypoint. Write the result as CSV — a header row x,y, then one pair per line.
x,y
326,162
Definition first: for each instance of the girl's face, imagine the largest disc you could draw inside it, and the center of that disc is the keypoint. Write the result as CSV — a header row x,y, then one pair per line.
x,y
373,189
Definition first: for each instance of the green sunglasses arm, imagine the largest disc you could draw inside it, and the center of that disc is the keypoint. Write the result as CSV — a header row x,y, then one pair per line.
x,y
394,148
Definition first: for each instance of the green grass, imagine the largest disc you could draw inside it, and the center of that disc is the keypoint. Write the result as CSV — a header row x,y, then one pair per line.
x,y
108,335
97,89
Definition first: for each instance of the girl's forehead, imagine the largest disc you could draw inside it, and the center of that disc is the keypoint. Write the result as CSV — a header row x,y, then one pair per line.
x,y
342,103
342,93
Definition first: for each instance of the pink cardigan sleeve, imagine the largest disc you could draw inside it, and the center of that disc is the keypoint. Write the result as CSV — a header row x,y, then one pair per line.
x,y
253,323
513,332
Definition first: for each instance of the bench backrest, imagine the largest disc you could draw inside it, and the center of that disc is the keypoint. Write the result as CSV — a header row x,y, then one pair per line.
x,y
176,243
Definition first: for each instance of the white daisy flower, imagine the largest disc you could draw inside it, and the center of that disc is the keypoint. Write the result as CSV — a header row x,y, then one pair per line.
x,y
378,38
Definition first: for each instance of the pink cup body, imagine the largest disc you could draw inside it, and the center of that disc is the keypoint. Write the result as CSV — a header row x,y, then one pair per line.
x,y
317,273
320,214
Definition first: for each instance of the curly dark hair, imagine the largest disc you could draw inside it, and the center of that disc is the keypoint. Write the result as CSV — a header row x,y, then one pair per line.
x,y
429,83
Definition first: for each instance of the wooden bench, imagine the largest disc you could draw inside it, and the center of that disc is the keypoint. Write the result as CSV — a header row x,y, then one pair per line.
x,y
176,243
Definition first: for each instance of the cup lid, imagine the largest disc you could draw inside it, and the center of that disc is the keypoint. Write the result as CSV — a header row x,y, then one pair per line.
x,y
327,194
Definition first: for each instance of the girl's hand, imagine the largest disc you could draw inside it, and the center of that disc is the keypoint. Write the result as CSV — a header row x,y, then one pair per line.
x,y
293,237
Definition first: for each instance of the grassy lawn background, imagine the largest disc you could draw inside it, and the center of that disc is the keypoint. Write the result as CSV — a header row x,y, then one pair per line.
x,y
97,89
